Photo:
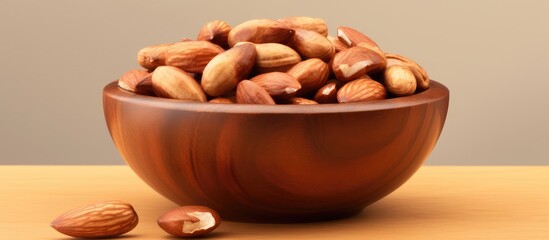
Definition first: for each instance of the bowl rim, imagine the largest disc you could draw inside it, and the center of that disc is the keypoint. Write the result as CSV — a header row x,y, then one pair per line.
x,y
436,92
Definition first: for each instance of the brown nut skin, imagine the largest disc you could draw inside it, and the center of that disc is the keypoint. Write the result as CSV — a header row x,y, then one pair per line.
x,y
190,56
225,70
222,100
352,37
248,92
311,74
217,32
131,78
327,93
279,85
338,45
172,82
355,62
275,57
98,220
260,31
306,23
422,78
301,101
361,90
144,86
153,56
399,80
184,221
311,44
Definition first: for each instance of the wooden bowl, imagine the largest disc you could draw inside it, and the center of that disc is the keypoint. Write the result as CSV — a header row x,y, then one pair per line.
x,y
275,163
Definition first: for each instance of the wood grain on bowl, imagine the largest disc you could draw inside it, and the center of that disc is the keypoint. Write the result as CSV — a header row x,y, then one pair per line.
x,y
275,163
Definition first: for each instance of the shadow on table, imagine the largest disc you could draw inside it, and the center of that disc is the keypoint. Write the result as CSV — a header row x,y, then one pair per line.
x,y
405,212
125,236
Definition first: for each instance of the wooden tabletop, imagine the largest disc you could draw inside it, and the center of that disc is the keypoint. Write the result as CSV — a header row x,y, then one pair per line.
x,y
437,203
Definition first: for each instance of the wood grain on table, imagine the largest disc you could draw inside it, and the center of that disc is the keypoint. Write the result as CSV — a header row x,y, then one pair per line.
x,y
437,203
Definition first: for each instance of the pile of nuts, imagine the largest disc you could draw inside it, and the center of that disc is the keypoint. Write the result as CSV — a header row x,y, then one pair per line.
x,y
286,61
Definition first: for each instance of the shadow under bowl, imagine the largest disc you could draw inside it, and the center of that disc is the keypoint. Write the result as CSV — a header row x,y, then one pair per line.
x,y
275,163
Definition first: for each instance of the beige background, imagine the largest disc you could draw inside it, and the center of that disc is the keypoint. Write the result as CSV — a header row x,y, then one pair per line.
x,y
56,56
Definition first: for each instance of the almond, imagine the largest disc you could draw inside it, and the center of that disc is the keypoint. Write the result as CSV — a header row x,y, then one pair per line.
x,y
275,57
189,221
99,220
260,31
216,32
311,74
422,78
278,84
221,100
399,80
190,56
353,37
338,45
248,92
311,44
172,82
144,86
301,101
306,23
131,78
361,90
327,93
225,70
354,62
153,56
